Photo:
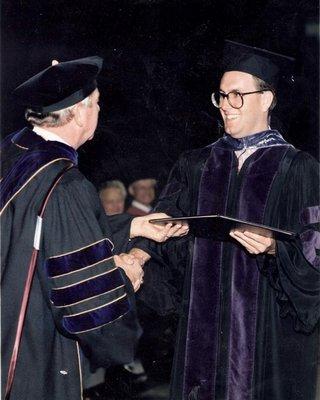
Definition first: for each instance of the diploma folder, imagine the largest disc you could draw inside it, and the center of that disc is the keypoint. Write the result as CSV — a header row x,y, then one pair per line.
x,y
219,226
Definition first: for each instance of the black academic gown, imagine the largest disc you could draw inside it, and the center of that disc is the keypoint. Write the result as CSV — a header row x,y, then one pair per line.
x,y
249,324
80,302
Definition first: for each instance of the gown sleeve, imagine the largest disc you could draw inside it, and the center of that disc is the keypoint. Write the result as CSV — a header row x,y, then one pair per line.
x,y
91,299
164,274
295,271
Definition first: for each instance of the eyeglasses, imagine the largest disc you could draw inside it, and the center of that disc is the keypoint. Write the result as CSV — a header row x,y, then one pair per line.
x,y
235,98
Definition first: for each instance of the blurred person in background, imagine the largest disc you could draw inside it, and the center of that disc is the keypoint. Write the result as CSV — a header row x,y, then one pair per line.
x,y
113,196
142,191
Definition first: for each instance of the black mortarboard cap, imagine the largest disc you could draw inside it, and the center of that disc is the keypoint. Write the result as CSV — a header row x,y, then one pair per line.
x,y
61,85
266,65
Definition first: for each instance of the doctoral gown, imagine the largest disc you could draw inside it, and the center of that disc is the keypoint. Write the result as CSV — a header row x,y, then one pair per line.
x,y
249,325
80,302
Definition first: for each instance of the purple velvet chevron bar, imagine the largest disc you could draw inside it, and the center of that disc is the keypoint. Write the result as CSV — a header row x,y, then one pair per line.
x,y
77,260
38,153
89,288
96,318
310,240
310,215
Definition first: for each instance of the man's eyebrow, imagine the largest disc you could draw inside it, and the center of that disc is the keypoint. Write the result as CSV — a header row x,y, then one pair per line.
x,y
232,90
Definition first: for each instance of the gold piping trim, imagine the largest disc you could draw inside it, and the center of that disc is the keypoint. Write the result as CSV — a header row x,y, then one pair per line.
x,y
89,298
100,326
85,280
80,370
96,308
36,173
81,248
18,145
81,269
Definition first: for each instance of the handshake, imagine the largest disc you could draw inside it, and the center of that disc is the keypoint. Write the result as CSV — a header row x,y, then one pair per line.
x,y
133,263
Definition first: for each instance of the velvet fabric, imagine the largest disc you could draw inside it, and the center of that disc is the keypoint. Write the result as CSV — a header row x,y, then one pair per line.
x,y
245,274
79,259
201,346
203,320
310,215
84,290
95,318
259,140
39,153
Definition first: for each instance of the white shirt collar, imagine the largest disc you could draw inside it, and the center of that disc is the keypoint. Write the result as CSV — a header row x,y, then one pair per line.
x,y
46,135
141,206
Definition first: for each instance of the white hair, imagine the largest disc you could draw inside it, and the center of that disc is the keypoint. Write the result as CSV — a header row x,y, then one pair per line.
x,y
54,118
115,184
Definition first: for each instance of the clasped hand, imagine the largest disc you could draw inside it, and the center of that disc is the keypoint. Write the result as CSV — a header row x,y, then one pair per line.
x,y
140,226
254,243
132,267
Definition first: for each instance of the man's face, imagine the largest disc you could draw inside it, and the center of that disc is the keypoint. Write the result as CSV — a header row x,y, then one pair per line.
x,y
91,115
248,119
143,191
112,201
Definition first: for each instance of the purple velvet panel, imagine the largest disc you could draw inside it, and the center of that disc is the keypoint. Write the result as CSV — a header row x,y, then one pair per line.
x,y
79,259
87,289
94,319
310,240
203,321
253,197
31,161
310,215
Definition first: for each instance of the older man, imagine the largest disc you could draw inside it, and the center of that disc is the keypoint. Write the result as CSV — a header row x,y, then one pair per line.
x,y
79,298
113,195
250,311
143,192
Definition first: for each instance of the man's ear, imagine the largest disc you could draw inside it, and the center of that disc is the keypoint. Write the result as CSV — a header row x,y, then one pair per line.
x,y
267,98
77,112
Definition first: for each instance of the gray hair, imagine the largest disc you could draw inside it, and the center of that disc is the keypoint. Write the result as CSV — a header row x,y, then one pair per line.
x,y
114,185
54,119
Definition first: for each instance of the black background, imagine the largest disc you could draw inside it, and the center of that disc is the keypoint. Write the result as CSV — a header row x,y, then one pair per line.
x,y
161,65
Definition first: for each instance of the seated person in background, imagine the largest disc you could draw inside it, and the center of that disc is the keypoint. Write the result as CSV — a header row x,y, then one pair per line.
x,y
113,195
143,192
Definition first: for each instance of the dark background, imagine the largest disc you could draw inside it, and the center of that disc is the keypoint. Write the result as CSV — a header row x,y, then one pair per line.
x,y
161,65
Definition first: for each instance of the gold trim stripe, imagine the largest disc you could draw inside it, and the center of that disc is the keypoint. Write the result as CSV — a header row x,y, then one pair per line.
x,y
85,280
89,298
96,308
18,145
80,370
35,174
100,326
82,248
81,269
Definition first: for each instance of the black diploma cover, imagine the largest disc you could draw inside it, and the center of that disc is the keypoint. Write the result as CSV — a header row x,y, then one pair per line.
x,y
219,226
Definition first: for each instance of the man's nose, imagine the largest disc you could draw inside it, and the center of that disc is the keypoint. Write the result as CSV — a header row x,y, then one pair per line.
x,y
224,104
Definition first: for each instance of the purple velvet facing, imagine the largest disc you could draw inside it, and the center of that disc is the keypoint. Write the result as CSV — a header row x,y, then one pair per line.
x,y
89,288
94,319
39,154
310,215
203,322
79,259
245,274
310,240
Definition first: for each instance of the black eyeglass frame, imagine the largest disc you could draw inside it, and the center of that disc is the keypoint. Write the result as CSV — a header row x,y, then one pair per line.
x,y
226,95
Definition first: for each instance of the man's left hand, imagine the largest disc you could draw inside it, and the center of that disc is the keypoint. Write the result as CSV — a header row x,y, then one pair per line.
x,y
140,226
254,243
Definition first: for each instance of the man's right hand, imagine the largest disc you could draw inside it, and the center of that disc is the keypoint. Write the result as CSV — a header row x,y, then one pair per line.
x,y
132,267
